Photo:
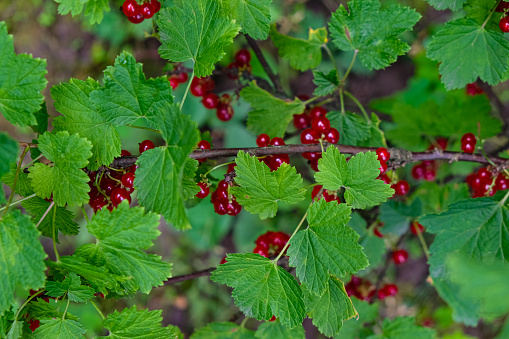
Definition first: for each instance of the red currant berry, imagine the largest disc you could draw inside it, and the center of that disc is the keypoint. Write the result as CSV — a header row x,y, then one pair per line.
x,y
231,168
504,24
277,160
225,98
416,228
208,83
277,141
301,121
320,124
204,190
383,167
315,191
430,174
501,183
468,147
204,144
222,185
147,10
264,240
98,203
385,178
145,145
303,97
242,57
309,136
317,111
34,324
232,71
210,100
279,239
273,318
224,112
468,137
484,174
418,171
261,251
311,155
128,180
136,19
118,195
399,256
387,290
401,187
157,5
108,185
332,136
233,208
263,140
328,197
124,153
174,83
383,154
221,207
130,8
182,77
133,168
441,143
198,89
314,165
377,232
502,6
222,195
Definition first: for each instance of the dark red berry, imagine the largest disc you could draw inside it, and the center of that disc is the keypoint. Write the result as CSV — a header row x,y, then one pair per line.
x,y
332,136
383,154
263,140
232,71
130,8
264,240
504,24
210,100
468,147
317,111
136,19
222,185
399,256
124,153
273,318
314,165
156,4
174,83
264,252
279,239
376,231
128,179
133,168
233,208
484,174
108,185
98,203
224,112
387,291
401,187
118,195
277,160
311,155
198,89
418,171
309,136
383,167
468,137
221,207
320,124
502,6
473,89
231,168
182,77
301,121
315,191
145,145
204,144
147,10
501,183
416,228
242,57
385,178
34,324
430,174
204,190
222,195
277,141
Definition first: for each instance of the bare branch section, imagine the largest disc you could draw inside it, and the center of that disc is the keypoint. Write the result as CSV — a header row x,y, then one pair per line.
x,y
189,276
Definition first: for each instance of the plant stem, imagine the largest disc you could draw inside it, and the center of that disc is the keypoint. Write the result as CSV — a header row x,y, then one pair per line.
x,y
219,166
18,201
45,214
66,307
187,89
258,52
341,99
145,128
54,238
31,162
243,323
331,57
97,309
288,242
26,302
85,214
189,276
349,67
15,180
358,103
423,244
491,13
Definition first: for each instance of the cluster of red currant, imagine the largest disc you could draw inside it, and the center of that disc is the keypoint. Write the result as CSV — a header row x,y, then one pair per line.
x,y
482,183
326,194
224,202
202,87
203,144
468,142
276,160
383,156
474,89
270,244
401,187
177,79
427,169
241,64
504,21
136,13
363,289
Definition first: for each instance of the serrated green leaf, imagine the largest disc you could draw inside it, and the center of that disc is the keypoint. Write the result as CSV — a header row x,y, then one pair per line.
x,y
197,30
372,31
127,95
352,128
162,172
377,136
131,323
397,215
21,257
223,330
60,329
326,83
464,309
21,82
252,15
189,187
24,183
302,54
404,328
71,286
65,182
95,9
352,328
362,189
274,330
269,114
8,153
261,288
326,247
42,117
465,44
40,309
331,308
121,236
79,115
64,223
479,10
373,246
453,5
75,7
261,190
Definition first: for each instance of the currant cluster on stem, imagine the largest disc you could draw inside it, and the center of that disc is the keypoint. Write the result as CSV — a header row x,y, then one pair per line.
x,y
240,64
224,202
427,170
327,195
202,87
473,89
270,244
177,79
136,13
468,142
363,289
272,161
483,182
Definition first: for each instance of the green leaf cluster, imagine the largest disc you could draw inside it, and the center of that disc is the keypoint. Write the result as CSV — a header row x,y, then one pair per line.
x,y
94,9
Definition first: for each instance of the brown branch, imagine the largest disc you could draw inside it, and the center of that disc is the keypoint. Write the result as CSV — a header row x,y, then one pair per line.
x,y
189,276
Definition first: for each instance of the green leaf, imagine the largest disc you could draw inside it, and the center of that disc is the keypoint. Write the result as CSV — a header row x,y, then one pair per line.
x,y
65,182
71,285
397,215
42,122
189,187
64,223
372,31
302,54
352,128
75,7
252,15
40,309
358,176
131,323
329,309
261,190
326,83
479,10
8,153
466,44
196,29
162,172
127,95
404,328
79,115
95,10
223,330
261,288
464,309
21,257
21,82
353,328
373,246
377,137
60,329
326,247
274,330
453,5
269,114
121,236
24,183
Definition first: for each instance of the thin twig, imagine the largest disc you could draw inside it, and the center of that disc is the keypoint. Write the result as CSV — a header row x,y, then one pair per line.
x,y
189,276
